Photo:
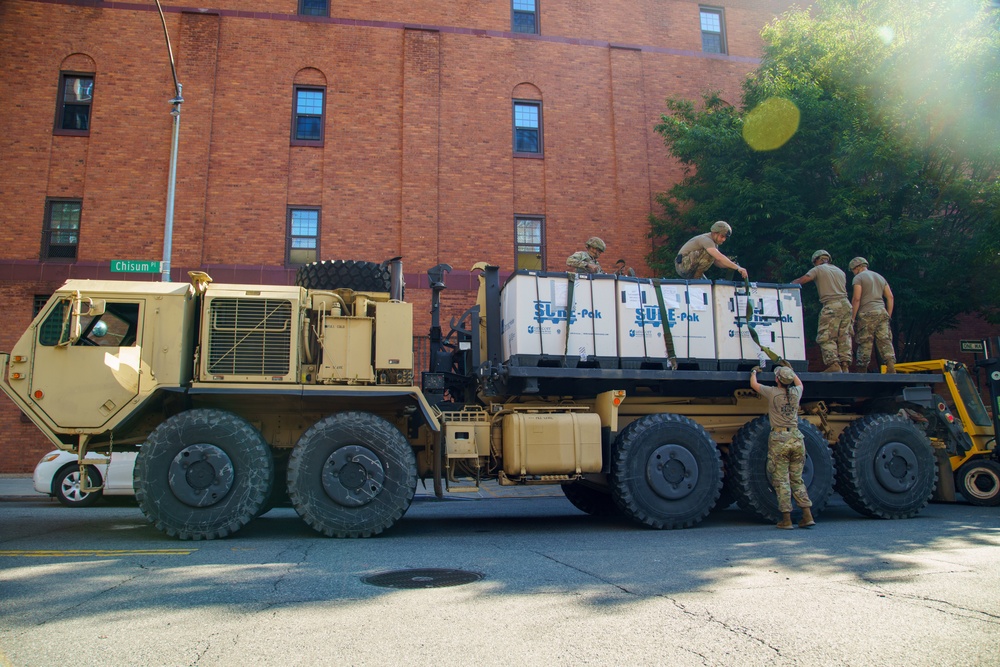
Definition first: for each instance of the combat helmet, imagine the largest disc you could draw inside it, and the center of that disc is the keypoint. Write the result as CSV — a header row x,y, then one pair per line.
x,y
821,253
596,243
722,227
784,375
856,262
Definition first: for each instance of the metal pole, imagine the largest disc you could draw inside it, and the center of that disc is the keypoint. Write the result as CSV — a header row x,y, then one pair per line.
x,y
168,229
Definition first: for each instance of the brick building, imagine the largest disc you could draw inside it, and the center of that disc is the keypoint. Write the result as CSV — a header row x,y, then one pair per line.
x,y
505,131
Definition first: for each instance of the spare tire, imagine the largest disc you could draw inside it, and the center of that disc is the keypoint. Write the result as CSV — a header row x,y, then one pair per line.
x,y
344,273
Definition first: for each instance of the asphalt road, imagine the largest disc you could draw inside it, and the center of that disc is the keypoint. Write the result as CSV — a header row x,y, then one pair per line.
x,y
99,586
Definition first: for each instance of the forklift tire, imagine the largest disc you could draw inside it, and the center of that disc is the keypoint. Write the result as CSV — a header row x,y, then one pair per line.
x,y
203,474
352,474
589,499
344,273
666,471
886,468
748,461
978,481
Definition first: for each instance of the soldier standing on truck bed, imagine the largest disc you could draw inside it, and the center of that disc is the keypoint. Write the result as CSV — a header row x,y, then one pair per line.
x,y
833,334
585,261
871,316
701,252
786,448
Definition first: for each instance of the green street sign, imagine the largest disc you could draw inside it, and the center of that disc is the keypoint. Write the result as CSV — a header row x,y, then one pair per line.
x,y
972,346
135,266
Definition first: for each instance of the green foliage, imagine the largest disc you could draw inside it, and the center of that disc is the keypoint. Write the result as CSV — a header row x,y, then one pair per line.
x,y
896,158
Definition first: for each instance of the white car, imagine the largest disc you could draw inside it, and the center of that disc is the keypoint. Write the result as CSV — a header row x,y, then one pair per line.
x,y
58,474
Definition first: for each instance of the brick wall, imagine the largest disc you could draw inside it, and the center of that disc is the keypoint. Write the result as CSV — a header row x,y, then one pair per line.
x,y
417,159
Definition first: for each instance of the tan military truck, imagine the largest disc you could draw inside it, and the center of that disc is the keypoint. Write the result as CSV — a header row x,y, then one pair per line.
x,y
238,392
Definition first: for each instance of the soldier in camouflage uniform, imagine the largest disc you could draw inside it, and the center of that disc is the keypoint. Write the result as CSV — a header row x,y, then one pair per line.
x,y
871,309
786,448
701,252
585,261
833,334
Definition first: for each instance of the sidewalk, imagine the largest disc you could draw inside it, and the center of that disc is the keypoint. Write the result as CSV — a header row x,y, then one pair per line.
x,y
17,487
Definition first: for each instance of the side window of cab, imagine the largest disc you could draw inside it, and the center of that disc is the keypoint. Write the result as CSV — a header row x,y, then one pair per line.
x,y
117,326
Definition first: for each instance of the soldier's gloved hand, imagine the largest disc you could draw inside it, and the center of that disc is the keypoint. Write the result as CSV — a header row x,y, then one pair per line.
x,y
756,369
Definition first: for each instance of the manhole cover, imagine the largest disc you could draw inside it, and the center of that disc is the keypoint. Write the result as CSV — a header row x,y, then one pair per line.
x,y
426,578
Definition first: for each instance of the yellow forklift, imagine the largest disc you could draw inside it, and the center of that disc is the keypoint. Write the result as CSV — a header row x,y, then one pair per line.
x,y
967,443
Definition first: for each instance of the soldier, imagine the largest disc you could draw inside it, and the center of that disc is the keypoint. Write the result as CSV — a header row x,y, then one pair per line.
x,y
833,334
701,252
585,261
786,449
871,316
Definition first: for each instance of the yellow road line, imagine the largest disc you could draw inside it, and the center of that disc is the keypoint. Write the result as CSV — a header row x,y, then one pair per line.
x,y
62,553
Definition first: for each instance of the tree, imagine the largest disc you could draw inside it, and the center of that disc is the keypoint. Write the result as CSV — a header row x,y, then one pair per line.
x,y
893,155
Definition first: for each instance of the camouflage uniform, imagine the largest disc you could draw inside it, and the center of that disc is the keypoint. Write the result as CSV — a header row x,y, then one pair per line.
x,y
833,334
578,262
786,456
786,449
693,259
874,326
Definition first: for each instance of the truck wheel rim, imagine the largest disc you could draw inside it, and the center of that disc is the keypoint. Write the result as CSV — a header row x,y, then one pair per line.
x,y
982,484
672,472
201,475
896,467
353,475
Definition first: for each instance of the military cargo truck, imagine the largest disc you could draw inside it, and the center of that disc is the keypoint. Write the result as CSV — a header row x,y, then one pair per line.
x,y
239,393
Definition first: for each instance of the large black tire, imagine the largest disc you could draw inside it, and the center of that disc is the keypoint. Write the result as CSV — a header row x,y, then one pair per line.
x,y
748,461
886,468
665,471
978,481
590,499
203,474
344,273
352,474
66,486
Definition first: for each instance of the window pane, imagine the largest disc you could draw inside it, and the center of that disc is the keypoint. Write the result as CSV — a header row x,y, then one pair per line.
x,y
529,232
711,22
78,89
711,43
524,23
65,215
302,256
524,5
76,117
527,141
309,102
525,115
307,128
305,223
313,8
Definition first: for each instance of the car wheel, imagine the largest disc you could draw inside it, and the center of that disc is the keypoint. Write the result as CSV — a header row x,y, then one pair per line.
x,y
67,489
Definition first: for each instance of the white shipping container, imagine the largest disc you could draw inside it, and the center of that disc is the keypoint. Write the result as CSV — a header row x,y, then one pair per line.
x,y
701,325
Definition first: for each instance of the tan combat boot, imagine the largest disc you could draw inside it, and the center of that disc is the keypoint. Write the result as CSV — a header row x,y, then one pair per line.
x,y
807,518
890,367
845,366
786,521
833,368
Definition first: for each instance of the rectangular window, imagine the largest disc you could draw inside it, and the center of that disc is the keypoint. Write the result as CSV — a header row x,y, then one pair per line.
x,y
713,30
529,243
76,93
307,124
313,8
303,235
528,127
62,229
524,16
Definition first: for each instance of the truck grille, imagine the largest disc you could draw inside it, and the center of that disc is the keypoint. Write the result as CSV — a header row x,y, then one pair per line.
x,y
249,337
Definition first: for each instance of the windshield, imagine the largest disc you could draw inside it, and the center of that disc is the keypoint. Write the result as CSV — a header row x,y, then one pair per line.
x,y
970,396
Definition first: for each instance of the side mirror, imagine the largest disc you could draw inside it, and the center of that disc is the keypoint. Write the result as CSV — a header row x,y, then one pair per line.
x,y
74,307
